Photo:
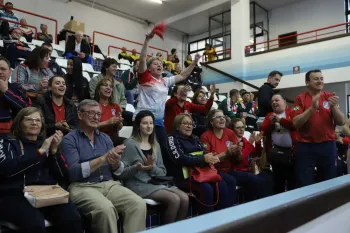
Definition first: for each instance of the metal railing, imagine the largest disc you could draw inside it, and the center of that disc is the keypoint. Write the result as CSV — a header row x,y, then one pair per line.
x,y
309,36
27,25
123,39
39,16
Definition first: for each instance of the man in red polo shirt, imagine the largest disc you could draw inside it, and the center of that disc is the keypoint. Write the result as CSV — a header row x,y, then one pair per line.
x,y
315,116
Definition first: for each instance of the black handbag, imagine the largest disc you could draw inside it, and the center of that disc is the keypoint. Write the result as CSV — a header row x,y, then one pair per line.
x,y
281,155
162,180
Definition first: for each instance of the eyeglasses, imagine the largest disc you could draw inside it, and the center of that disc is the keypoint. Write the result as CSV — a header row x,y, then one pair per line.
x,y
187,124
92,114
219,117
107,85
240,127
29,120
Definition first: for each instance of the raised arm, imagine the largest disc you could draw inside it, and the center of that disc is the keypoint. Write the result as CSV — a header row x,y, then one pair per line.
x,y
186,72
143,54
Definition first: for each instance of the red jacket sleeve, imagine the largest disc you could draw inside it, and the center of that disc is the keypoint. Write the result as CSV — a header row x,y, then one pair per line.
x,y
346,141
266,126
198,108
206,143
170,103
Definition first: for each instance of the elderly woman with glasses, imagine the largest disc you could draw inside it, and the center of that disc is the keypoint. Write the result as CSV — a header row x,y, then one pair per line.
x,y
187,152
224,143
28,159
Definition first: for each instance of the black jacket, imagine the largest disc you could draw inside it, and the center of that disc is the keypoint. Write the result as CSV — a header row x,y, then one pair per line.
x,y
199,121
82,92
29,168
180,150
70,46
264,102
45,104
12,101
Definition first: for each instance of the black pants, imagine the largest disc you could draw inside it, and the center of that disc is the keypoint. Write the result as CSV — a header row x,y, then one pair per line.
x,y
283,177
127,118
17,210
4,29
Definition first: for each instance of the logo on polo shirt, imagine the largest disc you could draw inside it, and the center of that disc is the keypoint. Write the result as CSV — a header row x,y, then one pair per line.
x,y
205,146
326,104
296,108
228,144
113,112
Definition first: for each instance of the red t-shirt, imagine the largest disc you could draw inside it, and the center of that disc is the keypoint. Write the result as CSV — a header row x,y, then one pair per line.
x,y
109,111
216,145
60,112
320,126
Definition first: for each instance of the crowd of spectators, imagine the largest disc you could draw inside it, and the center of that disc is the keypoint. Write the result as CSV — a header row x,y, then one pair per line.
x,y
51,122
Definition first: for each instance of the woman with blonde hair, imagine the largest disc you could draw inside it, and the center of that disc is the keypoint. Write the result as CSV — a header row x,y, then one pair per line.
x,y
153,88
144,171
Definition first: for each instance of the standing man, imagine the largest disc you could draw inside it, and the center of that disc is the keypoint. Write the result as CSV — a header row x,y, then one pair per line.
x,y
315,115
92,160
130,81
266,92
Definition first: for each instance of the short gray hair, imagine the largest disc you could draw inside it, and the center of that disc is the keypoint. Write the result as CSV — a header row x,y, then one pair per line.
x,y
82,105
150,61
79,33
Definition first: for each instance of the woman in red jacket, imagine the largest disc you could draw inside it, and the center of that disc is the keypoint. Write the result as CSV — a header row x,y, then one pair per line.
x,y
280,140
178,104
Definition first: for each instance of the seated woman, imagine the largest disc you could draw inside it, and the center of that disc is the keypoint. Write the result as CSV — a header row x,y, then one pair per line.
x,y
143,164
26,31
280,137
254,186
111,120
224,143
27,159
109,70
60,112
186,152
77,84
178,104
33,75
199,119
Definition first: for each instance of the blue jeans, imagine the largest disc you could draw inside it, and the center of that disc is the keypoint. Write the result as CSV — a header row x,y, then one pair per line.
x,y
253,186
87,59
129,95
311,155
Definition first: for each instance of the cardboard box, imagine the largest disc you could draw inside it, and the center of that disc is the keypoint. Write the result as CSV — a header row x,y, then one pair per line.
x,y
75,26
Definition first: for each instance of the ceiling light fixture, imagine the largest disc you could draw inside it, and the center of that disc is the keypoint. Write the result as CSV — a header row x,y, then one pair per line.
x,y
157,1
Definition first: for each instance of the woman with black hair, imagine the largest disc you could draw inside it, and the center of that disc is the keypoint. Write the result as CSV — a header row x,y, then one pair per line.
x,y
77,84
60,112
33,75
143,163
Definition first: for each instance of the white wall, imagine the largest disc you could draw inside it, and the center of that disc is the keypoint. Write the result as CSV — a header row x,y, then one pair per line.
x,y
95,20
339,88
303,16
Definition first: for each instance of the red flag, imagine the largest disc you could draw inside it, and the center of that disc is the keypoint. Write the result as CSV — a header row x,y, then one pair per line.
x,y
159,30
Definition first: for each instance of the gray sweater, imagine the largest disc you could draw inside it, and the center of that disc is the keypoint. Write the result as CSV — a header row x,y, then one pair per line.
x,y
138,181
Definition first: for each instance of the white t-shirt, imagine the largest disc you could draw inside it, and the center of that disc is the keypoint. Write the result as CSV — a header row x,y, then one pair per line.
x,y
153,95
77,47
